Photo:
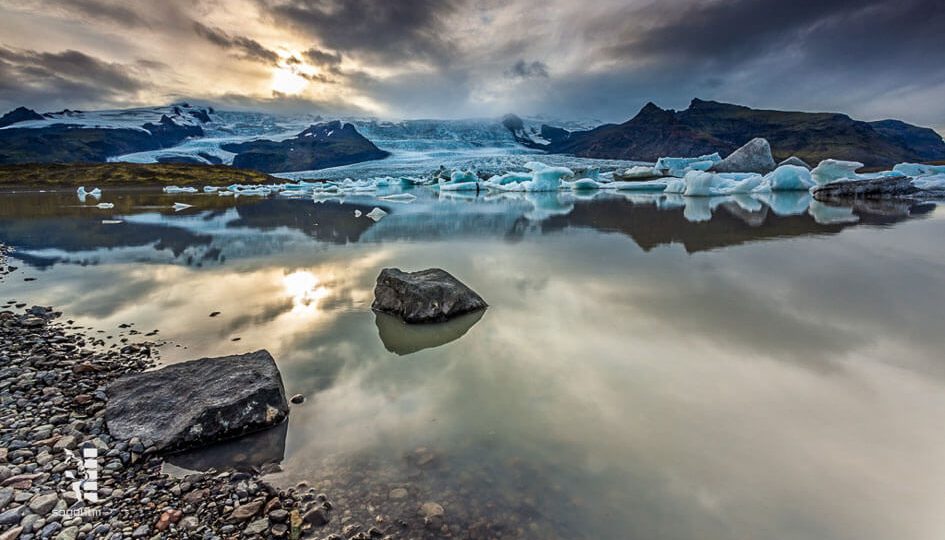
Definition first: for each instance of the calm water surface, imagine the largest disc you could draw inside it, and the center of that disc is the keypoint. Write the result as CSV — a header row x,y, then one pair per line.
x,y
650,367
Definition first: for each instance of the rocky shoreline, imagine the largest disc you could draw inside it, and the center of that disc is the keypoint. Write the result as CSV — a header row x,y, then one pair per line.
x,y
52,408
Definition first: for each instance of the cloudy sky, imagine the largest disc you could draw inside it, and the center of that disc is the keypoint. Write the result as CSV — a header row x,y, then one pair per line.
x,y
463,58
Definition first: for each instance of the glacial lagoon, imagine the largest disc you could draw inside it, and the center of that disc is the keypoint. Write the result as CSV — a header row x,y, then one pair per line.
x,y
650,366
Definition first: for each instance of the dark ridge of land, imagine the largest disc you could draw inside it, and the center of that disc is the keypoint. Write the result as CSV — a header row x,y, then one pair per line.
x,y
94,175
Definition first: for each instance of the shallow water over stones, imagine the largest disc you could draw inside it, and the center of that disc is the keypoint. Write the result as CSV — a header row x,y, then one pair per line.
x,y
649,367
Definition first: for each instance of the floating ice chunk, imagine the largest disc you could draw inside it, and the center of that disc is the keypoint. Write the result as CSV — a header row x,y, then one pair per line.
x,y
357,213
210,189
176,189
545,178
459,186
638,171
457,177
399,197
832,170
178,206
919,169
789,178
508,178
679,166
225,193
376,214
105,205
111,221
929,183
828,215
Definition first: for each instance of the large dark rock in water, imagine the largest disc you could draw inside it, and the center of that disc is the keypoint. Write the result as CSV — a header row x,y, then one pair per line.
x,y
754,156
431,295
879,188
709,126
328,144
19,114
198,402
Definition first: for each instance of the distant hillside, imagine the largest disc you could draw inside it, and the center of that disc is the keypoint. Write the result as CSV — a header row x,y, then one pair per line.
x,y
327,144
709,126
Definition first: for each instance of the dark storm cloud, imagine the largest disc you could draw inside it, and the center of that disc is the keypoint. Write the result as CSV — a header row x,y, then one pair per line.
x,y
103,10
402,30
323,58
527,70
70,78
249,48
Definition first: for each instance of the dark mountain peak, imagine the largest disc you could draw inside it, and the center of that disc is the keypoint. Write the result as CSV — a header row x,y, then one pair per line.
x,y
651,113
19,114
512,122
703,105
324,130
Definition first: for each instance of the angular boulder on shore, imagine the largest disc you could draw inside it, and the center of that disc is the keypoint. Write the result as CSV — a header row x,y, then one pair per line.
x,y
431,295
198,402
754,156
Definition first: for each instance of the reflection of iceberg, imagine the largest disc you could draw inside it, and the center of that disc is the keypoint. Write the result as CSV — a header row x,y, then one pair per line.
x,y
826,214
786,203
405,339
244,453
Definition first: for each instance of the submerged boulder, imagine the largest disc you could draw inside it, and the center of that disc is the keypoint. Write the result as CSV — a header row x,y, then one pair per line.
x,y
879,188
754,156
431,295
198,402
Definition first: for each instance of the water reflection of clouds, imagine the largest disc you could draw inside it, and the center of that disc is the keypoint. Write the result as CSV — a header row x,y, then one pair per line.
x,y
777,389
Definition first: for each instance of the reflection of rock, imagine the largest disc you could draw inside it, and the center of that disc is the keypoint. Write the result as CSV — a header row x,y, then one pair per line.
x,y
431,295
198,402
247,452
405,339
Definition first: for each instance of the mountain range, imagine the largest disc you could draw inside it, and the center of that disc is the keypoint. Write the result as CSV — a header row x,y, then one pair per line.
x,y
182,133
710,126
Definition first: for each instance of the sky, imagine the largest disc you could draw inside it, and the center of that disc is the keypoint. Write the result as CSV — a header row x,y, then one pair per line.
x,y
561,59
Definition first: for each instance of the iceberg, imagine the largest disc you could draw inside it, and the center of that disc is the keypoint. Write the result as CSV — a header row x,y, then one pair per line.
x,y
832,170
541,178
679,166
638,171
789,178
210,189
585,184
105,205
376,214
918,169
930,183
357,213
176,189
178,206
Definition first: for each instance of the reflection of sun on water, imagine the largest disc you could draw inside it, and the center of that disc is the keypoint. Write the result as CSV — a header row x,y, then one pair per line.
x,y
303,287
286,81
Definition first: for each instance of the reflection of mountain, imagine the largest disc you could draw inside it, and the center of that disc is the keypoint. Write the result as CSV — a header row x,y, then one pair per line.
x,y
731,224
328,221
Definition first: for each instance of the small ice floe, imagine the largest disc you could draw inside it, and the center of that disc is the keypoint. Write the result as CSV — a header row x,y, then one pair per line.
x,y
210,189
111,221
833,170
225,193
399,197
376,214
105,205
357,213
679,166
176,189
178,206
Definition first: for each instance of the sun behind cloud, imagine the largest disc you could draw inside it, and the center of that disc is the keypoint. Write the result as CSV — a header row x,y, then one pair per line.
x,y
286,81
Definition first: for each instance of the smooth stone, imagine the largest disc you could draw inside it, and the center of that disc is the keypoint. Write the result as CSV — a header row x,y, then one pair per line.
x,y
202,401
431,295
